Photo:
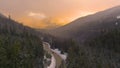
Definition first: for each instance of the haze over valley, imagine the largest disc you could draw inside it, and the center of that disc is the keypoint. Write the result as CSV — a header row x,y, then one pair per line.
x,y
60,34
51,14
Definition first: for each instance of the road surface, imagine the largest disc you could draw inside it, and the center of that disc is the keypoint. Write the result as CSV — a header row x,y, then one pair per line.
x,y
58,59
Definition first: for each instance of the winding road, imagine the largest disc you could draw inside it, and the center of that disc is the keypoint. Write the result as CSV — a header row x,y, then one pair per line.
x,y
58,59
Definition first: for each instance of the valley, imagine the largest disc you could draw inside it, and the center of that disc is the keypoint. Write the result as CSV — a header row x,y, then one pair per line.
x,y
56,60
92,41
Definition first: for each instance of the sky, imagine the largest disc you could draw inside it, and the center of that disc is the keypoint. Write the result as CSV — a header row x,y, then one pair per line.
x,y
47,14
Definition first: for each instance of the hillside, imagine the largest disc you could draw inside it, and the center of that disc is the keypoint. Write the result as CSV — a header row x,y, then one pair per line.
x,y
1,15
92,41
89,26
20,46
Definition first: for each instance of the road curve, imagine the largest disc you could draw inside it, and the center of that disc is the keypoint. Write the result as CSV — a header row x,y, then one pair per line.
x,y
56,56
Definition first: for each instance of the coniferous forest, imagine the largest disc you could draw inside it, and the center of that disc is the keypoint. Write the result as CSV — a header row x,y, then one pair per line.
x,y
20,46
91,41
100,52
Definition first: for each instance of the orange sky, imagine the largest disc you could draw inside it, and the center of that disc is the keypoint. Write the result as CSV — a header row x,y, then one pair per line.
x,y
52,13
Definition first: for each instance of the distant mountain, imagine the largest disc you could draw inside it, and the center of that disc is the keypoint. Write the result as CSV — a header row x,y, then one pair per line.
x,y
92,41
90,26
20,46
1,15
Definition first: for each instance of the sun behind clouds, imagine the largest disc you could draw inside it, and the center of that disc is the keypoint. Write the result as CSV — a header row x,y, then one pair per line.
x,y
47,14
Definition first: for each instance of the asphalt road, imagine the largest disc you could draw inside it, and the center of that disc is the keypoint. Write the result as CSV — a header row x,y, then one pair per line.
x,y
57,57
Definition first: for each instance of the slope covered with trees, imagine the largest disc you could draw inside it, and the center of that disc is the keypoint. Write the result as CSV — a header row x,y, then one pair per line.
x,y
100,52
85,28
20,46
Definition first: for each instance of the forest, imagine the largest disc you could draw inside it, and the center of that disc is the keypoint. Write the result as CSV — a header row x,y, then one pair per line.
x,y
20,46
102,51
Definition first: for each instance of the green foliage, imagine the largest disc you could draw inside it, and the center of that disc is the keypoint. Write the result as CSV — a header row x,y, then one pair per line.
x,y
109,40
20,47
48,55
100,52
76,57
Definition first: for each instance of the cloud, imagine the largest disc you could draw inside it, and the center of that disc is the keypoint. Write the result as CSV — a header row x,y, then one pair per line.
x,y
37,15
52,12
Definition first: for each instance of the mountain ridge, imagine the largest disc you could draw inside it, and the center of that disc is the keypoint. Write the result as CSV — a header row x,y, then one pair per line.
x,y
20,46
92,24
